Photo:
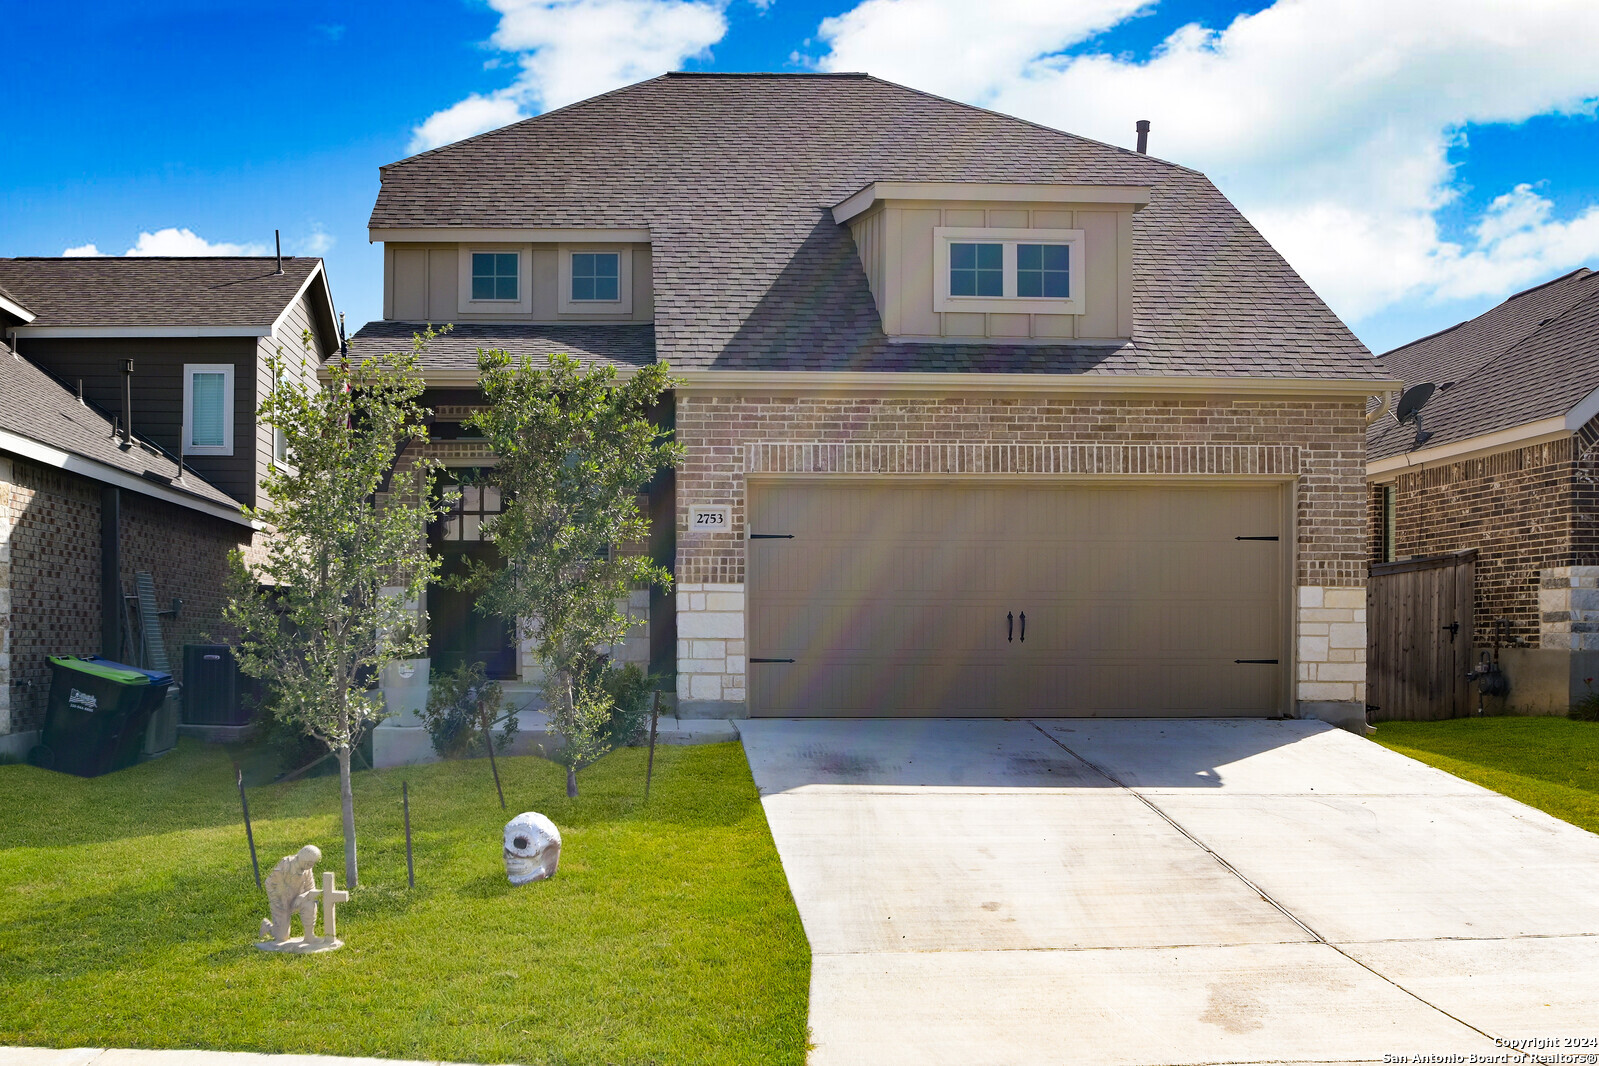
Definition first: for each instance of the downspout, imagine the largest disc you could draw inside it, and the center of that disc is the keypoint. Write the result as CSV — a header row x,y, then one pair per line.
x,y
1381,409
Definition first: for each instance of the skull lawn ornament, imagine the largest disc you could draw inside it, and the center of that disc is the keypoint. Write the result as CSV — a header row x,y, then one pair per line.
x,y
532,848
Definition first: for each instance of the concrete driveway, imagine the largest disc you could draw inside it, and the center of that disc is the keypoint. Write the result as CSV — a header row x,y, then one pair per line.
x,y
1162,891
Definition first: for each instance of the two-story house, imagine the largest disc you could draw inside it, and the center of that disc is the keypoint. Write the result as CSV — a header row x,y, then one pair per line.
x,y
980,417
129,443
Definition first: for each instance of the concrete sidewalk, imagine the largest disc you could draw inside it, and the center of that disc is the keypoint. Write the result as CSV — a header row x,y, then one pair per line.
x,y
1163,892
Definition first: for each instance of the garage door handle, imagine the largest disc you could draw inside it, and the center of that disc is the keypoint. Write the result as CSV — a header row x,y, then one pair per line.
x,y
1267,662
1010,627
1254,538
771,536
771,660
1024,627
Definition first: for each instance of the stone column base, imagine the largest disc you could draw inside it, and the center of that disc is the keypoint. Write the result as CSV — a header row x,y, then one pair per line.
x,y
1343,714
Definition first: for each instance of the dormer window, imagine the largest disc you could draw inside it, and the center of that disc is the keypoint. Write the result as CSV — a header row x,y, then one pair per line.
x,y
496,279
494,275
1019,271
595,280
595,277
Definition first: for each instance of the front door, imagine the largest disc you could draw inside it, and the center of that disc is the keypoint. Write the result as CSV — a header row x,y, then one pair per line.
x,y
457,632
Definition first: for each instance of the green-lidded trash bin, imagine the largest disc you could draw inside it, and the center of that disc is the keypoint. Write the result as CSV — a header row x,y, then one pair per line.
x,y
97,715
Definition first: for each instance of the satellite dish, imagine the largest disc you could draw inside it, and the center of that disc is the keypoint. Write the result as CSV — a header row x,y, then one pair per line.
x,y
1411,401
1408,409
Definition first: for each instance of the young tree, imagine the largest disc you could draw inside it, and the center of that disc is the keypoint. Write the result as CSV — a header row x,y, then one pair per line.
x,y
328,606
575,446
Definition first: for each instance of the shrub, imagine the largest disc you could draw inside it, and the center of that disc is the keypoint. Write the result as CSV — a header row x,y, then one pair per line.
x,y
1587,708
627,689
462,709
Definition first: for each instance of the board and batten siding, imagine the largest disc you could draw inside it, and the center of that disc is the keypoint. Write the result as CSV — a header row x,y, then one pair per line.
x,y
895,243
422,284
158,391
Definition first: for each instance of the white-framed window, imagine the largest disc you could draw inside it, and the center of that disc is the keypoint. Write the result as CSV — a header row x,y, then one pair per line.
x,y
1009,271
208,408
595,280
496,279
280,439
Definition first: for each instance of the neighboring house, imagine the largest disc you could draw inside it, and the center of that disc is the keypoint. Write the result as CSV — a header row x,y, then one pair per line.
x,y
1506,467
980,418
82,507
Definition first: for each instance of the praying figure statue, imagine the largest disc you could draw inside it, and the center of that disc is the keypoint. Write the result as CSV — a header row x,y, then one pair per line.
x,y
291,889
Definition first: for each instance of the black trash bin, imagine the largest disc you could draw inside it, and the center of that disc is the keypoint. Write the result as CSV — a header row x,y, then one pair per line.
x,y
97,714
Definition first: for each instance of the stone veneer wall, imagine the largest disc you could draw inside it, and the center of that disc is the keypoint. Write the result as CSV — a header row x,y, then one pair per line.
x,y
726,437
1525,511
50,597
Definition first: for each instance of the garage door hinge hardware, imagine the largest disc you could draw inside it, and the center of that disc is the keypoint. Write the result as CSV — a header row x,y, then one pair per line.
x,y
1255,538
1268,662
771,660
771,536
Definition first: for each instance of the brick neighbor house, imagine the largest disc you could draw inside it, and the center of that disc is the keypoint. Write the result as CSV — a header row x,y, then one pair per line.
x,y
1508,468
84,505
981,418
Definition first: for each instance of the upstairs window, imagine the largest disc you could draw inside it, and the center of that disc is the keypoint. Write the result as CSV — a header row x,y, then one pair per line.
x,y
976,269
596,276
494,275
1044,270
1009,271
595,280
208,409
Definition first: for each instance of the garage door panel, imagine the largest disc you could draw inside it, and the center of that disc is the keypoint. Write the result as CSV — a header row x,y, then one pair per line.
x,y
892,599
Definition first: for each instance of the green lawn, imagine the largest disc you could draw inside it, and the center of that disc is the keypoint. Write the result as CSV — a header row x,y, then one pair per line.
x,y
128,912
1548,763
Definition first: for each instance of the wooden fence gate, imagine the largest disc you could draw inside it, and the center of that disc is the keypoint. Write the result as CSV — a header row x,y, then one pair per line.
x,y
1419,636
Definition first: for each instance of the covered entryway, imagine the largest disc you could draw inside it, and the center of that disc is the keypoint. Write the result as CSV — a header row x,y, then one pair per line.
x,y
964,598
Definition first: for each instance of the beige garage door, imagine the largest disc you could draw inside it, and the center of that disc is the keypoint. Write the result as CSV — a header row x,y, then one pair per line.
x,y
873,598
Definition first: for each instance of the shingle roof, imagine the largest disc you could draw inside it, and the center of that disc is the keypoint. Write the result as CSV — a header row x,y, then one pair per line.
x,y
1535,356
621,346
36,406
151,291
735,177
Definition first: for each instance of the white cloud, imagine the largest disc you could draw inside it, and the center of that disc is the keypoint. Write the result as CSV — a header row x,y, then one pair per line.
x,y
175,242
569,50
476,114
1329,122
317,242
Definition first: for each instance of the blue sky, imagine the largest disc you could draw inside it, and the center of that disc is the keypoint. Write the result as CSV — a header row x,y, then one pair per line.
x,y
1413,161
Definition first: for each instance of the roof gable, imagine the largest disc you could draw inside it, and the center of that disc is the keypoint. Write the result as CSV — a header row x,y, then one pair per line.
x,y
241,295
735,178
1533,357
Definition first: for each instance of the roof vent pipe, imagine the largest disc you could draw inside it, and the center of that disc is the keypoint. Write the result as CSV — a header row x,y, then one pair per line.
x,y
278,240
1142,126
127,402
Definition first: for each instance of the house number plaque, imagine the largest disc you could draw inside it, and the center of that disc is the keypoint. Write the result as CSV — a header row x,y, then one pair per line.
x,y
709,520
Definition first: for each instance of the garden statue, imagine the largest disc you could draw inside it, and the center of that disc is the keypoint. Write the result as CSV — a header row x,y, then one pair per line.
x,y
291,889
532,848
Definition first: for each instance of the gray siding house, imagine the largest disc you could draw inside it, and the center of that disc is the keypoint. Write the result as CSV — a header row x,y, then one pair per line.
x,y
85,505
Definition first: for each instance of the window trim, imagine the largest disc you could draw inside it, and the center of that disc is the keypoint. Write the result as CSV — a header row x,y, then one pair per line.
x,y
278,434
622,305
1010,303
230,397
523,304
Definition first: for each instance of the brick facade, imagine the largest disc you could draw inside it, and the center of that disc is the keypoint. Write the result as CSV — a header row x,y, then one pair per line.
x,y
50,578
1318,443
1525,511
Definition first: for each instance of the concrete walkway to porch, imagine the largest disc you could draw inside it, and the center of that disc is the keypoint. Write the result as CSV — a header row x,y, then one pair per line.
x,y
1163,891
